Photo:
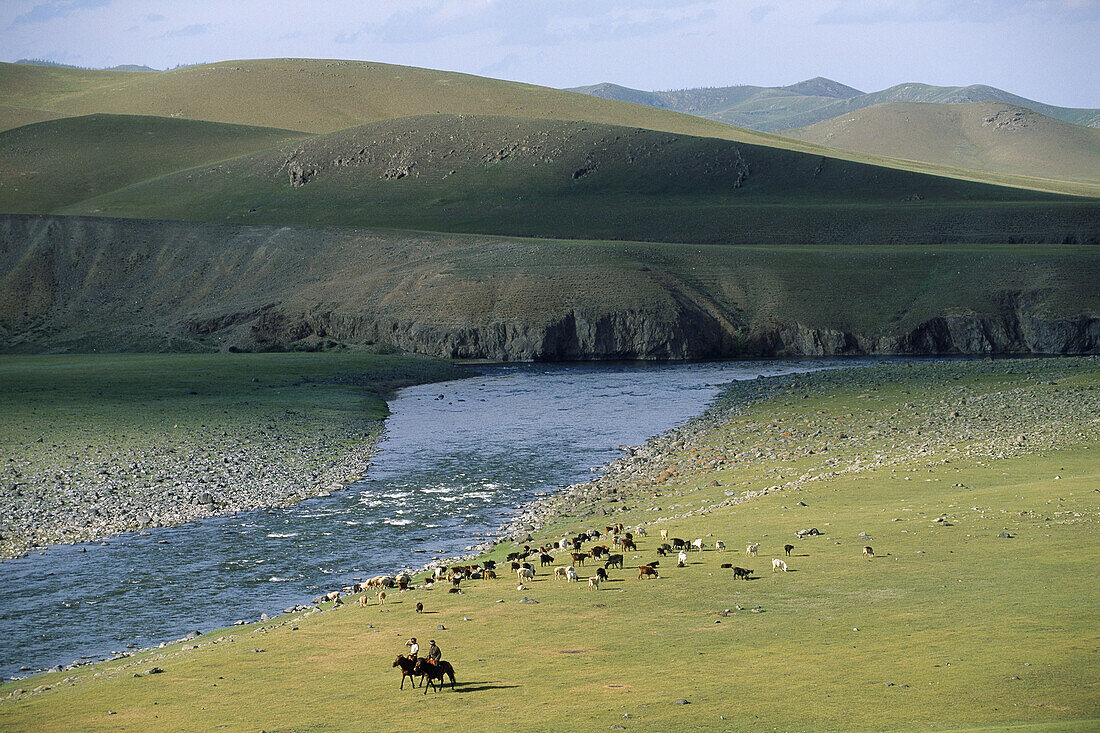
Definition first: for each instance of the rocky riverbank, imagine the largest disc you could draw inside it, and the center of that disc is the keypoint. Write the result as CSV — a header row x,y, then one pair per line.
x,y
976,422
106,492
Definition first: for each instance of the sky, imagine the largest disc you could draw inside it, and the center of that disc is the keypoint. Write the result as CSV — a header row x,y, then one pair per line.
x,y
1046,50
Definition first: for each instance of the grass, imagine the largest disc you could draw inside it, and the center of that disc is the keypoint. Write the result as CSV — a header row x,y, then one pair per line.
x,y
535,178
958,629
320,96
50,164
989,136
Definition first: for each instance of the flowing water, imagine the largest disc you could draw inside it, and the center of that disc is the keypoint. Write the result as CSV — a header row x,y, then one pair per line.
x,y
457,460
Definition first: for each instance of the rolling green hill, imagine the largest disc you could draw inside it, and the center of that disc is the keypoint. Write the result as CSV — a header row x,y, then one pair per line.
x,y
798,105
50,164
989,136
320,96
546,178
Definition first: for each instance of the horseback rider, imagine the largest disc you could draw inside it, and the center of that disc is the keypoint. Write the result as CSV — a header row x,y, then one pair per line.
x,y
414,648
434,655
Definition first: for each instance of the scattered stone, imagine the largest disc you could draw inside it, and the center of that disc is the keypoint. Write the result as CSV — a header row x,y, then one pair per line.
x,y
682,701
154,670
525,599
1006,535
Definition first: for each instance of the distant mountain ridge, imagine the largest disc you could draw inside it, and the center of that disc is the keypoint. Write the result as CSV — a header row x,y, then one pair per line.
x,y
772,109
58,64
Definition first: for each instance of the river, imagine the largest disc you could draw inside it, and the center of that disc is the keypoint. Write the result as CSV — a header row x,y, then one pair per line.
x,y
457,460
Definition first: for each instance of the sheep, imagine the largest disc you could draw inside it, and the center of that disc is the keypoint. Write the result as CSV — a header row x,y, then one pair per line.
x,y
571,575
381,598
726,565
664,535
601,573
525,574
628,544
616,560
787,549
750,550
640,529
647,571
578,557
697,545
489,564
362,602
742,573
681,559
594,583
545,559
490,575
563,544
403,582
678,544
333,596
559,572
868,551
778,564
419,607
719,546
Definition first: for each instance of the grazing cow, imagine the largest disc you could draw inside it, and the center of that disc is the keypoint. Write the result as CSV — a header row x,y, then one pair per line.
x,y
362,602
439,572
489,564
578,557
456,580
778,564
647,571
664,534
697,545
559,572
681,559
719,546
868,551
456,589
616,560
678,544
742,573
812,532
750,550
594,583
628,544
490,574
571,575
381,598
787,549
513,556
530,566
545,559
726,565
477,575
601,573
419,607
663,550
525,574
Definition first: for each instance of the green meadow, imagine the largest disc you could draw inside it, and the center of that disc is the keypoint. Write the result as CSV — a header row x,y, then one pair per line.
x,y
949,627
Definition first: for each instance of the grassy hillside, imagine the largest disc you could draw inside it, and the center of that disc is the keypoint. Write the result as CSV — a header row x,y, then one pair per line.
x,y
79,284
523,177
949,627
323,96
798,105
989,136
51,164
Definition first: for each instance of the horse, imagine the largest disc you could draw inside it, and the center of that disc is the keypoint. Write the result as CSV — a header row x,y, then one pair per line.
x,y
432,672
408,669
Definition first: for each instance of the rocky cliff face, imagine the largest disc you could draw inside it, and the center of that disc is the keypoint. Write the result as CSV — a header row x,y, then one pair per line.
x,y
109,284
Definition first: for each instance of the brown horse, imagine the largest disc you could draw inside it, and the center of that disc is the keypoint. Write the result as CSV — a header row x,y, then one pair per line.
x,y
408,669
432,672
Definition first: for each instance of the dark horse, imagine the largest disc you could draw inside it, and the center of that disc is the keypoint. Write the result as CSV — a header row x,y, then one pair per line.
x,y
408,669
432,672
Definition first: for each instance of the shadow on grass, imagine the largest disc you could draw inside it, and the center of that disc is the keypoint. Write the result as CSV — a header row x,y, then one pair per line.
x,y
480,687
